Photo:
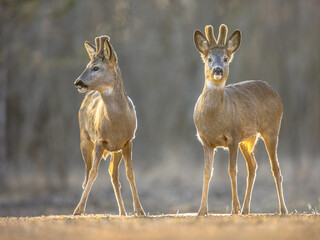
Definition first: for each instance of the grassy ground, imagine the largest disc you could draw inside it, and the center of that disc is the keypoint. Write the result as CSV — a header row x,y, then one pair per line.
x,y
178,226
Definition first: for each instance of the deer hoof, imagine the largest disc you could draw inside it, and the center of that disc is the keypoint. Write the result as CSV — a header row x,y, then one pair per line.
x,y
283,212
77,211
245,211
203,212
140,213
236,209
123,214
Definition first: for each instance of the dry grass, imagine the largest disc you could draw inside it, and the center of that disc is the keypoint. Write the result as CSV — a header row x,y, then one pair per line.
x,y
180,226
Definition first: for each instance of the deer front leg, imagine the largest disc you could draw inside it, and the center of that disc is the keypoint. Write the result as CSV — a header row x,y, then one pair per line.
x,y
208,168
127,155
98,151
233,154
86,147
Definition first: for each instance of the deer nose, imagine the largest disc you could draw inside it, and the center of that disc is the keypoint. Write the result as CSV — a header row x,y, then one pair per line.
x,y
79,83
218,71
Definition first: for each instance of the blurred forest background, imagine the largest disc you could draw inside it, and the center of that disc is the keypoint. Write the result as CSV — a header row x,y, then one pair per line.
x,y
42,53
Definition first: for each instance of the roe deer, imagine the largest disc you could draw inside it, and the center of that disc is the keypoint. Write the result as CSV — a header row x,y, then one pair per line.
x,y
234,115
107,121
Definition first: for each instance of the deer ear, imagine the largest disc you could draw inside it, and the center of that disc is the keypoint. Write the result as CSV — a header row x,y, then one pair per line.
x,y
233,42
108,51
90,49
200,42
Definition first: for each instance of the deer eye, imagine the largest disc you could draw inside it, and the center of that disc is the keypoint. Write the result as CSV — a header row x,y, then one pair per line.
x,y
95,68
225,59
209,59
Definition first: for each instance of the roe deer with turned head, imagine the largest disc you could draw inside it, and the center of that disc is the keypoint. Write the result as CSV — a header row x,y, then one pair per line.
x,y
234,115
107,121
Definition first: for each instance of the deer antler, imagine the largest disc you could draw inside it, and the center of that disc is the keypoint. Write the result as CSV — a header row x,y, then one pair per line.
x,y
223,31
99,44
210,36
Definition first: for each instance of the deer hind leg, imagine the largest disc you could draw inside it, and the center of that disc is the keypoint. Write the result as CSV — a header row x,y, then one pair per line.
x,y
127,155
86,147
98,151
208,168
233,154
271,142
114,174
246,148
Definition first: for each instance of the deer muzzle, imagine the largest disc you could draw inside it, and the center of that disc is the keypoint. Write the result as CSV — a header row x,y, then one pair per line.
x,y
80,85
217,73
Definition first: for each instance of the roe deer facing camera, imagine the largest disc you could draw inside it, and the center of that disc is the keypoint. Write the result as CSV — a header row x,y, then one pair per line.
x,y
107,121
234,115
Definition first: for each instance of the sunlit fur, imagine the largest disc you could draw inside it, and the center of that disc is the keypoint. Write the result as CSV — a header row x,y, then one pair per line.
x,y
234,116
107,121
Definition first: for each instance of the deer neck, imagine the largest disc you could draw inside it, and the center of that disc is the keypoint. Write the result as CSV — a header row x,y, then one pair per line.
x,y
213,95
115,95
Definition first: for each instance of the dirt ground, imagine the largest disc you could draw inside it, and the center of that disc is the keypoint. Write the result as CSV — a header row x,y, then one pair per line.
x,y
177,226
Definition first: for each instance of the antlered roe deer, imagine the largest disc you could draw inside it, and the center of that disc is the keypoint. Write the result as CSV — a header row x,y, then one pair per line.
x,y
107,121
234,115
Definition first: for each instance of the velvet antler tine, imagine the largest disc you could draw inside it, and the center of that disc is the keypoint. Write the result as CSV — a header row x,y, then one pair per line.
x,y
101,40
210,35
97,41
223,31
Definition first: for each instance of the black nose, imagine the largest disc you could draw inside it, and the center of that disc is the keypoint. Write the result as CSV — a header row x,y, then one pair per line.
x,y
218,71
79,83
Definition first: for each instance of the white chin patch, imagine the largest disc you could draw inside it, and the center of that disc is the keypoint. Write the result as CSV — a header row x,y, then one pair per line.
x,y
82,89
108,91
217,77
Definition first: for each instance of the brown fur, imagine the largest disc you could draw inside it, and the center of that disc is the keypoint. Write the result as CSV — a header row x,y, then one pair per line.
x,y
235,115
107,121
